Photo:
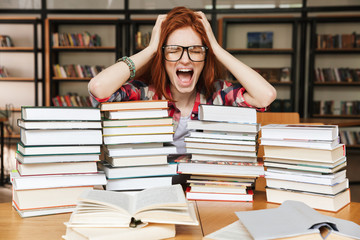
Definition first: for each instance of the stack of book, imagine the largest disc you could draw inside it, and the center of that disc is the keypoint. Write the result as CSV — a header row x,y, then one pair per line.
x,y
305,163
136,136
223,145
56,159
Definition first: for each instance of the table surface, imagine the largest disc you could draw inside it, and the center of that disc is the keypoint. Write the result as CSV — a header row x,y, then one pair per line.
x,y
341,122
213,215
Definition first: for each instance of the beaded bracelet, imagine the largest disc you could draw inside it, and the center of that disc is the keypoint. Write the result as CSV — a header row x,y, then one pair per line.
x,y
130,64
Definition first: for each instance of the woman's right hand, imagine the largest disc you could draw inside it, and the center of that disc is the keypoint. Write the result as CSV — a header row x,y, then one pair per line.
x,y
155,35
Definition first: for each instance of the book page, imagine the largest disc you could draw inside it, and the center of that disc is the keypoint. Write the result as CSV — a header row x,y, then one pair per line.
x,y
166,197
235,230
116,200
291,219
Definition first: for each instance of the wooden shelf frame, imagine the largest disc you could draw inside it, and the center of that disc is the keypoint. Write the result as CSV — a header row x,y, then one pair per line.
x,y
51,53
292,52
34,21
314,51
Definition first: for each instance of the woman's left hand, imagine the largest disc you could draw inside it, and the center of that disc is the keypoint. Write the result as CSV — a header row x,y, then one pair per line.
x,y
209,32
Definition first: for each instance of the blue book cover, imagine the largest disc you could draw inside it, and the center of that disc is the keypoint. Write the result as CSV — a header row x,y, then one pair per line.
x,y
260,39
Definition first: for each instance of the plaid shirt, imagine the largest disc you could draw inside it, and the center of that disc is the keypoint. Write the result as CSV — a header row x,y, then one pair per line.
x,y
225,93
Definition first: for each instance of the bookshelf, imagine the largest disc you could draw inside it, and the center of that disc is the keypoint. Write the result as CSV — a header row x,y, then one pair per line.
x,y
331,89
109,30
141,32
25,47
233,33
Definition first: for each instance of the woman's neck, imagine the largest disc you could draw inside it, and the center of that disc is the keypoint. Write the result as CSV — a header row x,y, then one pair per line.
x,y
184,101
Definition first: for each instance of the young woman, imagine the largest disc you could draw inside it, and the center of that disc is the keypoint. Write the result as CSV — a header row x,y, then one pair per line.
x,y
184,64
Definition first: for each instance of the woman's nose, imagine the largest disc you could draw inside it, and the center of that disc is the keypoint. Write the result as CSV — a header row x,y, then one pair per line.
x,y
185,57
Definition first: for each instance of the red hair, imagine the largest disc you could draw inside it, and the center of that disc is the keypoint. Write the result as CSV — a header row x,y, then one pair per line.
x,y
155,73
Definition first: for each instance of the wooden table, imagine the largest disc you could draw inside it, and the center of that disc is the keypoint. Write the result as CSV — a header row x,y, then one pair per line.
x,y
2,120
51,227
341,122
212,216
216,215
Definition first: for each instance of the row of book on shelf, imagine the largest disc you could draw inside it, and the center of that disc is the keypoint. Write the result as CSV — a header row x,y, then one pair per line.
x,y
76,70
329,107
350,40
84,39
350,137
142,40
6,41
3,72
64,153
71,100
281,105
337,75
275,74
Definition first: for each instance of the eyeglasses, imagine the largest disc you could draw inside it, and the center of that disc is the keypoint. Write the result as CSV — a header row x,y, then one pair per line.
x,y
174,53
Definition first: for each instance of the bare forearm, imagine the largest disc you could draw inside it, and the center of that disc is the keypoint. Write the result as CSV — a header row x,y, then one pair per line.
x,y
259,92
112,78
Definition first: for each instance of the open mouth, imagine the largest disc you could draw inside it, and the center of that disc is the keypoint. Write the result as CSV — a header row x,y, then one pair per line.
x,y
185,74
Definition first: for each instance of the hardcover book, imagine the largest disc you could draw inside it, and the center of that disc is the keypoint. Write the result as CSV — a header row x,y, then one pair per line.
x,y
47,137
260,39
220,113
60,113
223,126
130,105
300,132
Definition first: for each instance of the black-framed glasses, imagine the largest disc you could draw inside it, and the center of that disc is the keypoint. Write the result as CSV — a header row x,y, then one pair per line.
x,y
174,53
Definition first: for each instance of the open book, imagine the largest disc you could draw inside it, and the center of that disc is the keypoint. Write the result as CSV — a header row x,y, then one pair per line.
x,y
99,208
153,231
292,220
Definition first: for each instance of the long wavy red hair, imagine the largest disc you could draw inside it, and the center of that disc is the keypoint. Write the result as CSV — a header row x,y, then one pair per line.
x,y
155,73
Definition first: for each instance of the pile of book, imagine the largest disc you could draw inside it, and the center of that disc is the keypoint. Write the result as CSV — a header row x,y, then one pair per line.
x,y
223,145
136,134
56,159
305,163
148,214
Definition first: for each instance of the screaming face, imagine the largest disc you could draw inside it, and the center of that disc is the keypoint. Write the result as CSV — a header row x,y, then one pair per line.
x,y
184,73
